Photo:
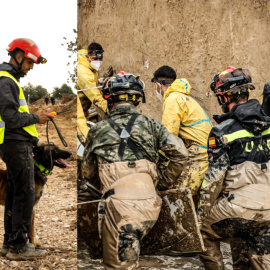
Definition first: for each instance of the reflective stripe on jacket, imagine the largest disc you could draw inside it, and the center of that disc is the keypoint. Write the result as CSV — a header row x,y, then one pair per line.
x,y
23,108
183,116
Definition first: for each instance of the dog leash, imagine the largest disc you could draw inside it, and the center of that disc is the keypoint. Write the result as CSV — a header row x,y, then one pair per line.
x,y
59,134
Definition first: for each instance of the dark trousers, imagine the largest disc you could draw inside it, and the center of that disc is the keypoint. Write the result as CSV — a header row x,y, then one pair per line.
x,y
20,193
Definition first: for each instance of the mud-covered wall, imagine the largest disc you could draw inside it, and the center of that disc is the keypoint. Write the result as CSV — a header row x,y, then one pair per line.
x,y
197,38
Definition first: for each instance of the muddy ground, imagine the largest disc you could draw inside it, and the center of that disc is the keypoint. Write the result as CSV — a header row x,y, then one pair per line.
x,y
56,214
197,38
157,262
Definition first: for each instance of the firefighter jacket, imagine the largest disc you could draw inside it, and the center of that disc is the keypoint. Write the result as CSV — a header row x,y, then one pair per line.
x,y
183,116
149,136
16,123
239,154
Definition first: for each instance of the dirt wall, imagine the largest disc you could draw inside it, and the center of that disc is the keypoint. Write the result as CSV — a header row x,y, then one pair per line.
x,y
197,38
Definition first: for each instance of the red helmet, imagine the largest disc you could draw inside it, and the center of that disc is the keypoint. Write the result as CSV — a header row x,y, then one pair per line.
x,y
226,70
29,47
232,81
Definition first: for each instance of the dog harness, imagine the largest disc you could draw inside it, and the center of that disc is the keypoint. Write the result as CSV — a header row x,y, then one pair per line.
x,y
42,168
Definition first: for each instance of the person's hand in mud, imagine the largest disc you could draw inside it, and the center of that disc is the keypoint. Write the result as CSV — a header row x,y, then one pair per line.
x,y
44,116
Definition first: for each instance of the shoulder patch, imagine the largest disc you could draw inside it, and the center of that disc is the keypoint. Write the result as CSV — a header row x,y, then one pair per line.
x,y
212,142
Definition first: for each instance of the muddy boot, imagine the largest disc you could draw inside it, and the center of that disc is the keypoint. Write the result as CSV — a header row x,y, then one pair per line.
x,y
5,247
4,250
212,257
28,252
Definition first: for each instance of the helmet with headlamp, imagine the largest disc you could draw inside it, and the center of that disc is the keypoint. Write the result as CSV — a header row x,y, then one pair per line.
x,y
123,87
231,82
30,49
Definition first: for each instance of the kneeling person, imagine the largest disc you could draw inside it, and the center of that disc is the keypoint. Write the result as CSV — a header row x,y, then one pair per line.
x,y
235,191
124,149
185,118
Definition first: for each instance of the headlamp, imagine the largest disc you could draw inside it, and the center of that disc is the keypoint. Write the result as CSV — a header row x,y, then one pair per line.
x,y
42,60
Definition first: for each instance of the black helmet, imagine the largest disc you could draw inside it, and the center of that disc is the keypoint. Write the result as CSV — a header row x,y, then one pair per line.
x,y
123,87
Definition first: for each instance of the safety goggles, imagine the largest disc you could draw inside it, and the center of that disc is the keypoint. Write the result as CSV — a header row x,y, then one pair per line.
x,y
97,53
164,82
234,81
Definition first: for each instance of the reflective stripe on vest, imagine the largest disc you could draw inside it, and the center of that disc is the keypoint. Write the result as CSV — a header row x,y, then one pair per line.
x,y
241,134
31,129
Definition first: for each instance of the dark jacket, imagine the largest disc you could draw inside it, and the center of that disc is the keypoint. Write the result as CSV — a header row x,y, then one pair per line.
x,y
266,98
230,143
232,136
9,105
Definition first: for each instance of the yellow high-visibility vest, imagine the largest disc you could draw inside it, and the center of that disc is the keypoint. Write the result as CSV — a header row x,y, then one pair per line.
x,y
31,129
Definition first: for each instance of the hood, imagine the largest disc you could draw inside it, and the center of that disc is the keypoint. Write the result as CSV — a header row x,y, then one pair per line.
x,y
12,70
82,59
249,115
179,85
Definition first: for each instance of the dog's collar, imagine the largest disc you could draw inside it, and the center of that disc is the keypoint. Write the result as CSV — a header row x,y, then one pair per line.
x,y
42,168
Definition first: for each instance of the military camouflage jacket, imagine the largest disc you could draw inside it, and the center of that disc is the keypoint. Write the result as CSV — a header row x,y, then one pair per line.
x,y
231,143
150,136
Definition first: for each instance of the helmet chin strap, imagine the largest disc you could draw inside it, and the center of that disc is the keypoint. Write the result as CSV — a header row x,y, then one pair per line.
x,y
224,105
18,64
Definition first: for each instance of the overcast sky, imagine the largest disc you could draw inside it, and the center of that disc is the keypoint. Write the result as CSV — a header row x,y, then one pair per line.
x,y
46,23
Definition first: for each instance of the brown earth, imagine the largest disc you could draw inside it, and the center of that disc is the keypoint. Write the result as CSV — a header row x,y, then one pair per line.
x,y
158,262
56,215
197,38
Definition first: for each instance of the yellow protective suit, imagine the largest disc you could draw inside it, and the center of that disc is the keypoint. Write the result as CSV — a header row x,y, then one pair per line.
x,y
184,117
82,128
87,77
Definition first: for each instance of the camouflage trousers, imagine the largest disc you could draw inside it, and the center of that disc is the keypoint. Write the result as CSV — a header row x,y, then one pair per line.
x,y
250,239
125,224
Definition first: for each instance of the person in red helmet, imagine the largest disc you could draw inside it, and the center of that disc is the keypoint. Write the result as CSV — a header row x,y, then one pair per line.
x,y
235,193
18,134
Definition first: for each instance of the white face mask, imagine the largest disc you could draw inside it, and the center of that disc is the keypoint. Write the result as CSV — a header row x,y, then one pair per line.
x,y
159,95
96,64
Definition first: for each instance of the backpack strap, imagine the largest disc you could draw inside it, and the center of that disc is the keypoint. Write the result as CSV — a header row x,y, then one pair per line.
x,y
259,141
124,134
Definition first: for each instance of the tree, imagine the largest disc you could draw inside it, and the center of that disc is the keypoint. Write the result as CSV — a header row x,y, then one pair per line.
x,y
33,93
64,89
72,48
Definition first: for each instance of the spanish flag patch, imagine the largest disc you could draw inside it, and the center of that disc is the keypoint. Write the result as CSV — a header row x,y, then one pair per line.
x,y
212,142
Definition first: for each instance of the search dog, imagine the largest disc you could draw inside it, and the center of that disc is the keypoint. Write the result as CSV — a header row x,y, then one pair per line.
x,y
44,155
